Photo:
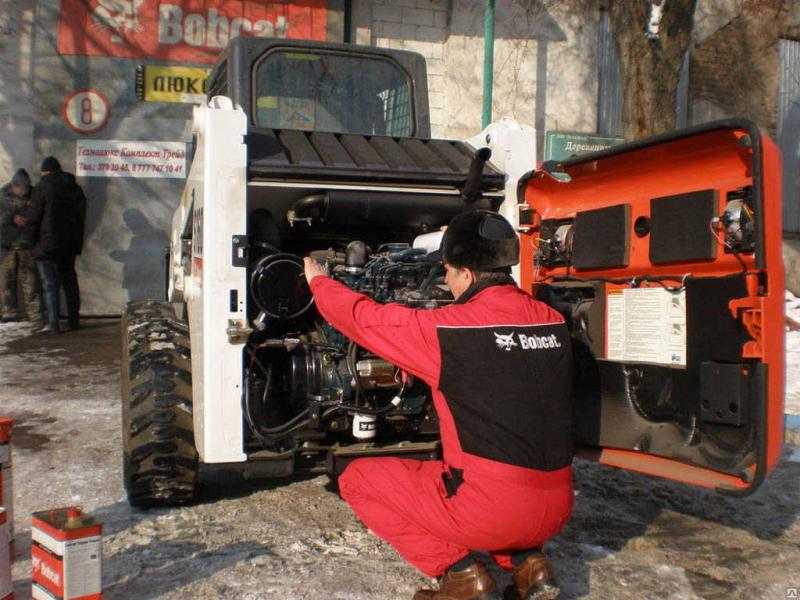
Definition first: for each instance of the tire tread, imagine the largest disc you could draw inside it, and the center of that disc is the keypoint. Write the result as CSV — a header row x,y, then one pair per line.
x,y
160,462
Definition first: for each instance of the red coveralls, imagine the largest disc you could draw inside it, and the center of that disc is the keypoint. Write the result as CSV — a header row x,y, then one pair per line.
x,y
498,367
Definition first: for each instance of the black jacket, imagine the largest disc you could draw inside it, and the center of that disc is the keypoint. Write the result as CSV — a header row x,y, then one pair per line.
x,y
58,208
12,235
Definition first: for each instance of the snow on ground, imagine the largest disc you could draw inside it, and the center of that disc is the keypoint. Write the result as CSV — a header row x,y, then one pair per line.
x,y
631,536
792,357
10,332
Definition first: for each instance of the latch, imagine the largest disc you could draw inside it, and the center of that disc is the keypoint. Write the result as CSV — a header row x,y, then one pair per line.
x,y
529,220
750,309
239,250
237,331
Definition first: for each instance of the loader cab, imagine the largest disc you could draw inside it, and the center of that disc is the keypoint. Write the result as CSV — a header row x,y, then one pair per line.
x,y
325,87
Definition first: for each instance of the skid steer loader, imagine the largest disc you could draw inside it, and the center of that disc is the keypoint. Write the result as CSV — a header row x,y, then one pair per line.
x,y
662,255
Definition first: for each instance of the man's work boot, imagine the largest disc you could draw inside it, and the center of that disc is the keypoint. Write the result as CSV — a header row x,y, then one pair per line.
x,y
472,583
533,580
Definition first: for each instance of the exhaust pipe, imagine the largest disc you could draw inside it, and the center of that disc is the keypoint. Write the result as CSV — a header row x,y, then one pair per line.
x,y
471,192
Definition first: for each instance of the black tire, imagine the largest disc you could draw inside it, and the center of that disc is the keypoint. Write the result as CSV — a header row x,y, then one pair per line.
x,y
160,461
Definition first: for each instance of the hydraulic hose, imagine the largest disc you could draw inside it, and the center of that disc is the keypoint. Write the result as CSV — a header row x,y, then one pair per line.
x,y
271,434
303,209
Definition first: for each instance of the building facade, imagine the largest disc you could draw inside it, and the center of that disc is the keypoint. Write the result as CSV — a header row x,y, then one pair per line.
x,y
89,81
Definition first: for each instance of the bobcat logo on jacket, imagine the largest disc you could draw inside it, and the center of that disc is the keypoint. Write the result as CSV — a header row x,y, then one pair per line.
x,y
505,342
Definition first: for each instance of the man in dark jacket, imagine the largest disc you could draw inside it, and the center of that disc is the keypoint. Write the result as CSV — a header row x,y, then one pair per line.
x,y
17,264
58,210
498,363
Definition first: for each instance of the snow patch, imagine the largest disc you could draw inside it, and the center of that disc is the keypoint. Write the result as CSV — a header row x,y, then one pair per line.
x,y
10,332
680,588
162,346
792,306
792,405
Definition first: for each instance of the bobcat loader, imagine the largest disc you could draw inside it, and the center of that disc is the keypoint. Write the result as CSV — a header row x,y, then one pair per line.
x,y
663,256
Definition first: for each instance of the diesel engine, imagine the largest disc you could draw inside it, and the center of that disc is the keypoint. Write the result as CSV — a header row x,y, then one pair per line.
x,y
305,381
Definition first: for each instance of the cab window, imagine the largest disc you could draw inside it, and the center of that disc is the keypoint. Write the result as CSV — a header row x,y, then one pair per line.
x,y
339,93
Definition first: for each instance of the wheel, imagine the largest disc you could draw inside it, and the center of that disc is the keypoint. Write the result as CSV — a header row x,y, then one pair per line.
x,y
160,461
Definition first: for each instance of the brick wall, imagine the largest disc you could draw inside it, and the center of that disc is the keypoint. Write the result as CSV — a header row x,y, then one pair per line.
x,y
734,65
555,50
417,25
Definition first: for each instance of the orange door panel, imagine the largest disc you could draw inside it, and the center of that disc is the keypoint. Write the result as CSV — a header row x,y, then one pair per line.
x,y
665,257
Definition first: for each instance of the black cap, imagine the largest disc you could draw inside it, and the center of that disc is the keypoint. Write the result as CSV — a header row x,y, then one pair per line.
x,y
50,165
480,240
22,182
21,178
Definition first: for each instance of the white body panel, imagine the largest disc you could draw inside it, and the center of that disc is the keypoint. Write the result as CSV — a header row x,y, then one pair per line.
x,y
215,203
213,210
513,147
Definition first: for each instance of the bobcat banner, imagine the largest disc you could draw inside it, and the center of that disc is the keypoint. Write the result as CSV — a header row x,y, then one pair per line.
x,y
191,31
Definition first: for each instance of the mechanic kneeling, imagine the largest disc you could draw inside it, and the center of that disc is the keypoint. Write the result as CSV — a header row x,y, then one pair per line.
x,y
498,363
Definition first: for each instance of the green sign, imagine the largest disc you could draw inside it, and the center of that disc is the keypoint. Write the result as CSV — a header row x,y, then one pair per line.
x,y
561,144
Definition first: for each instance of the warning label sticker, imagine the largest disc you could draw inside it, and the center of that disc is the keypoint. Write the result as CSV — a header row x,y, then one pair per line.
x,y
82,570
646,325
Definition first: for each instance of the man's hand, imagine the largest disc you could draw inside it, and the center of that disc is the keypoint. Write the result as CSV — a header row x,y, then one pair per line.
x,y
20,221
313,268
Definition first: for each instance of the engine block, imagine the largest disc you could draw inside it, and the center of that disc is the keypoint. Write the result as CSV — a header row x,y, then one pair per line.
x,y
305,377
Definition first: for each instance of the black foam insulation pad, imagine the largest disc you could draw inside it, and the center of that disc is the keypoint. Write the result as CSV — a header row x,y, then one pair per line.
x,y
680,227
602,238
713,334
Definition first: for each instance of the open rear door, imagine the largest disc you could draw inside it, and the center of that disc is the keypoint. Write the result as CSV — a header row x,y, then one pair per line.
x,y
665,257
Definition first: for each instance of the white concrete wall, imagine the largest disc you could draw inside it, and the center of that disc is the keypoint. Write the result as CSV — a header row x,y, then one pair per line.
x,y
16,110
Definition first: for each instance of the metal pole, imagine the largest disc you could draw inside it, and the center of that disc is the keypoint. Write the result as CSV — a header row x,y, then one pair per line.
x,y
348,20
488,63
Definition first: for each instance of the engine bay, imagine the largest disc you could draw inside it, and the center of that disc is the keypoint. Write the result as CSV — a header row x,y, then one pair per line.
x,y
306,384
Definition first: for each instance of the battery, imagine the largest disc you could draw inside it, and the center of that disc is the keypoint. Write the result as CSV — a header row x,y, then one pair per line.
x,y
6,589
6,497
65,555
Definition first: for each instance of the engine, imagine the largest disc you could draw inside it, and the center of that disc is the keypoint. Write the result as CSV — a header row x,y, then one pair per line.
x,y
305,381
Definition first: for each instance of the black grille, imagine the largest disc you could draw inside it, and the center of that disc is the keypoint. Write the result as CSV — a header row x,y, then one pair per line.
x,y
294,154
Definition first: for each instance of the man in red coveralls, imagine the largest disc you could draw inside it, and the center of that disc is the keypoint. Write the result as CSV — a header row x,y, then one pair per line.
x,y
498,363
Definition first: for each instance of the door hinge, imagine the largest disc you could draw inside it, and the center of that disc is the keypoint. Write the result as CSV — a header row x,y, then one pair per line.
x,y
750,310
237,331
529,220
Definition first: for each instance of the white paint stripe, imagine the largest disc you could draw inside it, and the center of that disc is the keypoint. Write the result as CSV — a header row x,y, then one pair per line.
x,y
47,541
39,593
329,185
56,546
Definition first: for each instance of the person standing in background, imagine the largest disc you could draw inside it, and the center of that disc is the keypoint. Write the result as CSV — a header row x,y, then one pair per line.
x,y
58,210
17,264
